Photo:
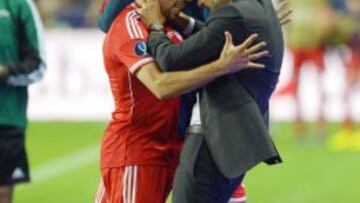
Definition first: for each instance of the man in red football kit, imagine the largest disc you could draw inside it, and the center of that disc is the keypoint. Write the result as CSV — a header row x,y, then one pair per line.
x,y
137,156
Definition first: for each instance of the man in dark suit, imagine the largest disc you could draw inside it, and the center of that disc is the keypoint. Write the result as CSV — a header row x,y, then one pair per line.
x,y
233,136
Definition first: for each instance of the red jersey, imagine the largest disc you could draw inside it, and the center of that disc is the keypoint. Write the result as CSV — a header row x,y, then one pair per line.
x,y
143,128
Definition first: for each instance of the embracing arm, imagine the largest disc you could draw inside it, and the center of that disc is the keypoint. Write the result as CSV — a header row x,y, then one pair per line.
x,y
232,59
169,84
200,48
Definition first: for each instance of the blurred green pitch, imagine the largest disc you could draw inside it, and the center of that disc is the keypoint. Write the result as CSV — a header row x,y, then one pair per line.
x,y
64,163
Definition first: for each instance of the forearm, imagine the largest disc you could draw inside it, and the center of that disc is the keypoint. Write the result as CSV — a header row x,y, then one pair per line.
x,y
176,57
170,84
191,52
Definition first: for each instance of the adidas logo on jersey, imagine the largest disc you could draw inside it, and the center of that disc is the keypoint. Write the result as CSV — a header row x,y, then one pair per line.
x,y
18,173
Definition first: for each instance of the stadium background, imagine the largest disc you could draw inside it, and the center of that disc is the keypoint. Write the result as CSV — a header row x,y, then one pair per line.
x,y
70,108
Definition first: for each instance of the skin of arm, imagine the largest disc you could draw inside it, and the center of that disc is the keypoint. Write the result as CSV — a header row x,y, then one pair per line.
x,y
169,84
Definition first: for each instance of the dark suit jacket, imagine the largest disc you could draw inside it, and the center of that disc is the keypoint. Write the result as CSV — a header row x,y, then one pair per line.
x,y
234,108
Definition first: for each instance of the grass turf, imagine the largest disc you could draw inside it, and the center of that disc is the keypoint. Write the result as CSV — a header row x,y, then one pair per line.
x,y
64,162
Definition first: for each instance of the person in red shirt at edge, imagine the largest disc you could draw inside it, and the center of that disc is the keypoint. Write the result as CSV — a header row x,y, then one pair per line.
x,y
138,159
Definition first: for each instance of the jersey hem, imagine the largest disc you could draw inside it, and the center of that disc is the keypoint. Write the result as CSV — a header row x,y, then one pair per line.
x,y
135,67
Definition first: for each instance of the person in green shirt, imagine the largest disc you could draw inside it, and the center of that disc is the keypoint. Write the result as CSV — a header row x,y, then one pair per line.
x,y
21,64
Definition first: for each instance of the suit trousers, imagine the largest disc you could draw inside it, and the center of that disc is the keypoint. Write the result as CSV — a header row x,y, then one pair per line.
x,y
198,179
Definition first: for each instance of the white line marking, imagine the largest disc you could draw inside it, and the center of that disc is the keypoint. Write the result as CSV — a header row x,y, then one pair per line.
x,y
65,164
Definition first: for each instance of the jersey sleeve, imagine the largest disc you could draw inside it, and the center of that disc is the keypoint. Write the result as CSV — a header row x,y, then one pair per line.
x,y
131,37
134,54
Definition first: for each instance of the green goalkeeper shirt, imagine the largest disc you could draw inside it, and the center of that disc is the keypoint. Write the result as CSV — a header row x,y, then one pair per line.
x,y
21,53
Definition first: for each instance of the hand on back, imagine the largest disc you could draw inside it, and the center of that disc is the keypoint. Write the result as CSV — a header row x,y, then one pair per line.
x,y
236,58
